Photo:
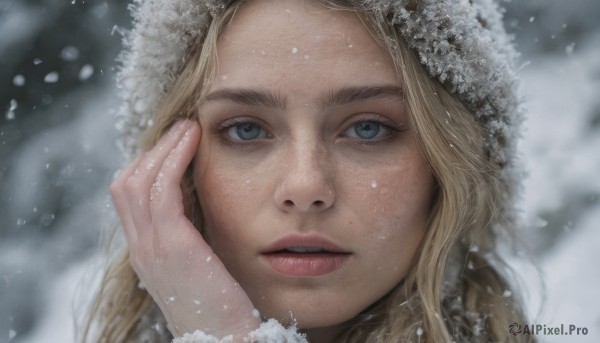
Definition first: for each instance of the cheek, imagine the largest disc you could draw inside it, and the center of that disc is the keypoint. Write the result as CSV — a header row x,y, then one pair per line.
x,y
226,194
394,202
394,210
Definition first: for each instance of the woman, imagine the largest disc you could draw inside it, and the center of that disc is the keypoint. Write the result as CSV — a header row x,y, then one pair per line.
x,y
340,168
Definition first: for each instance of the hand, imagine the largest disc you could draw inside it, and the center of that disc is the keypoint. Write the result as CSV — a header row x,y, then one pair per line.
x,y
180,271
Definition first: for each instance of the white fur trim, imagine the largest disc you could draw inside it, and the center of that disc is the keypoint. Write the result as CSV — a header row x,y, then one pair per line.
x,y
270,331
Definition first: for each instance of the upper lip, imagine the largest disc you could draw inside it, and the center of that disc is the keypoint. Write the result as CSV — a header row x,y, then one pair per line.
x,y
304,241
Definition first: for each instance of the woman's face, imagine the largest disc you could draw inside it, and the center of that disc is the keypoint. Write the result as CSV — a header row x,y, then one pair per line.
x,y
314,192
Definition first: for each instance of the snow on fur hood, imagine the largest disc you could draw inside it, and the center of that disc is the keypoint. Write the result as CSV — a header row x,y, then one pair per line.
x,y
461,43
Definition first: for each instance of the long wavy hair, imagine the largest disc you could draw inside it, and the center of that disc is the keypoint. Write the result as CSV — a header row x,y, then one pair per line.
x,y
456,289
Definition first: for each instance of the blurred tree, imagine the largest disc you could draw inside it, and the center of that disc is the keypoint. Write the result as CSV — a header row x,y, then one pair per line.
x,y
51,52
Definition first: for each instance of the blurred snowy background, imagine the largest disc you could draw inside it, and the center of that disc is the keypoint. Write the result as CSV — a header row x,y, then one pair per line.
x,y
57,157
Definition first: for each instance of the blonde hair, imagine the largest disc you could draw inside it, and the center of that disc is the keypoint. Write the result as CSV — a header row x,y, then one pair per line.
x,y
453,291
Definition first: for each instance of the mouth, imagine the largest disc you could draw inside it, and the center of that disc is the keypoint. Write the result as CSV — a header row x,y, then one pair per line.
x,y
305,256
304,250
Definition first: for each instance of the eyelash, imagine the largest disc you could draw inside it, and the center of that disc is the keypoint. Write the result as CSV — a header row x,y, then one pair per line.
x,y
223,127
378,119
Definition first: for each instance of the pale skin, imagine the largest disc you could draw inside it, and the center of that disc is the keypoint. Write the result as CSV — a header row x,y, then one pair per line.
x,y
325,150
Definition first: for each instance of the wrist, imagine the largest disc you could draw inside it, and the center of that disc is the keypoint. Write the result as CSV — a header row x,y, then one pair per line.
x,y
270,331
233,333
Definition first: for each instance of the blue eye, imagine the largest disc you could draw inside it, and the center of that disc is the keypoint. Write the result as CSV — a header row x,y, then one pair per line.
x,y
246,132
365,130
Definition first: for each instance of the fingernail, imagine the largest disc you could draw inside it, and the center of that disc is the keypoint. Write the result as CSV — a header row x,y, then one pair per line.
x,y
187,124
176,127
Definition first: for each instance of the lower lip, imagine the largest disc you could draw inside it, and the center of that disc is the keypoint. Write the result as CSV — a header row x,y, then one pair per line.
x,y
306,264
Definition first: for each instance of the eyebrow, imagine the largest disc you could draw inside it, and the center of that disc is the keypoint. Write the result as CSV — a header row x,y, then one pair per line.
x,y
342,96
250,97
348,95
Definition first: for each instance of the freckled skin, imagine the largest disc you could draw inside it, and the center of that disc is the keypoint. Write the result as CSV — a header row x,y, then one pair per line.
x,y
245,193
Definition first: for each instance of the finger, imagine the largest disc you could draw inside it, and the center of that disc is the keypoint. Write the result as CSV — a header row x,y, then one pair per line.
x,y
167,206
117,191
138,184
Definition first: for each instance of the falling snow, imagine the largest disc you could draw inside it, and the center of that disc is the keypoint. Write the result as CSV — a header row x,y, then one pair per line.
x,y
51,77
10,114
86,72
69,53
19,80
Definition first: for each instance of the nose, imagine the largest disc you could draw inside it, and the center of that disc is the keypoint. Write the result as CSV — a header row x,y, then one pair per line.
x,y
306,181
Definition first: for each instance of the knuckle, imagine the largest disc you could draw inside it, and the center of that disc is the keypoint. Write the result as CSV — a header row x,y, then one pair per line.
x,y
115,188
135,264
133,184
136,259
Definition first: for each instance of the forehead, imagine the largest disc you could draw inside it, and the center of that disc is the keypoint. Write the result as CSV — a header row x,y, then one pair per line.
x,y
296,43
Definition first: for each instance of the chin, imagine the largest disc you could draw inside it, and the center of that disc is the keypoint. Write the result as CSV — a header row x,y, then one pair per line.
x,y
309,312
